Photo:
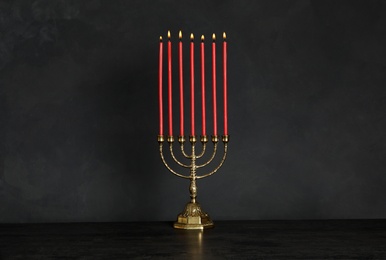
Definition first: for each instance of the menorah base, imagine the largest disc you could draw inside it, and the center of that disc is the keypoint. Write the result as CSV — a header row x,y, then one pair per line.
x,y
193,218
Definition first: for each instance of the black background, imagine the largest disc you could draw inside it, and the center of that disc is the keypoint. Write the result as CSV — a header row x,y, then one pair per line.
x,y
79,110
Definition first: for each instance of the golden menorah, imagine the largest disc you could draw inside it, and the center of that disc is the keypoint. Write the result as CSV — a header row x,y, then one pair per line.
x,y
193,217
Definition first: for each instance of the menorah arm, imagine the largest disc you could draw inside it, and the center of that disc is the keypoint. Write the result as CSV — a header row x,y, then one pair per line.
x,y
175,159
202,152
219,166
183,151
211,158
167,166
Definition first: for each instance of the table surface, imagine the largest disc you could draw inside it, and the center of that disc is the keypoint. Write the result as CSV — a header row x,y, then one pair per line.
x,y
296,239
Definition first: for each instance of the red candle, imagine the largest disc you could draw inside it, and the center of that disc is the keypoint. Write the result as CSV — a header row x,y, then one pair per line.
x,y
203,86
214,85
225,85
192,82
181,86
161,127
170,85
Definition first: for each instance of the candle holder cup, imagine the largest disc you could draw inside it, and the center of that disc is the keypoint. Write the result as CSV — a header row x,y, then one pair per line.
x,y
193,217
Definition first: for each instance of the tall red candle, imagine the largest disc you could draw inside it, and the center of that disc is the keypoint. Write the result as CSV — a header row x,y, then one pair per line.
x,y
181,85
192,83
214,85
161,120
203,86
170,85
225,85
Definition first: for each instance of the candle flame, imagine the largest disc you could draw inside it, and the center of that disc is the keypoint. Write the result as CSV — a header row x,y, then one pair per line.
x,y
214,37
160,38
224,36
202,38
191,36
169,35
180,34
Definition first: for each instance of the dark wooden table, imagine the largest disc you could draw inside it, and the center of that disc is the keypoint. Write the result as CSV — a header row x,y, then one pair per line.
x,y
324,239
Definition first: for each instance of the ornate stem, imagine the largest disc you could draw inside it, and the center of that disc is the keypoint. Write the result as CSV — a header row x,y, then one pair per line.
x,y
193,190
193,186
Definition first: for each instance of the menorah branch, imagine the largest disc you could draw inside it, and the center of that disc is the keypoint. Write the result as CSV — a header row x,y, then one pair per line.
x,y
166,164
211,158
219,166
174,157
204,140
181,140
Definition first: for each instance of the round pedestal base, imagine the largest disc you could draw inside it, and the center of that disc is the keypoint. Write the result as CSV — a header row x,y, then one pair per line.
x,y
193,218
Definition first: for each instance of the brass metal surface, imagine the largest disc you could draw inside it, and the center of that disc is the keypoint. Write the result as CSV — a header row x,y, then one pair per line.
x,y
193,217
192,139
170,139
181,139
204,139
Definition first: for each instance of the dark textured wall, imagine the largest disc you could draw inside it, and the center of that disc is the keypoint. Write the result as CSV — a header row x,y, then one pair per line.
x,y
79,116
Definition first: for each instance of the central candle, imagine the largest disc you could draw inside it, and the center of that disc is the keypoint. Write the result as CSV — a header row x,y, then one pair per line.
x,y
170,97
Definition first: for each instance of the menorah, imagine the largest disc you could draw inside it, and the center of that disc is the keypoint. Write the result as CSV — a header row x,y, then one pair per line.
x,y
193,217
